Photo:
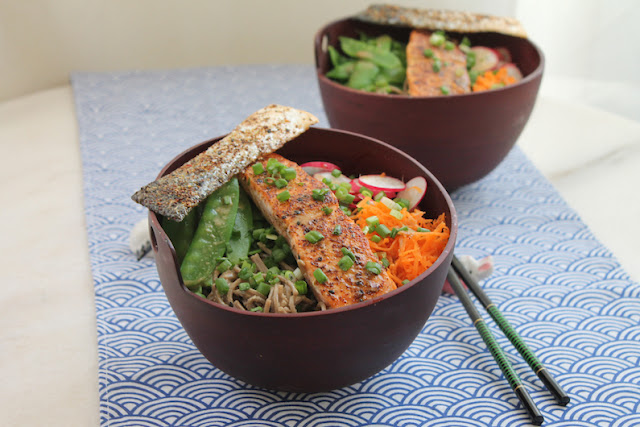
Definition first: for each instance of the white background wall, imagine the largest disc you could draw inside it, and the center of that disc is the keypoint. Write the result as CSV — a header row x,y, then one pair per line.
x,y
42,41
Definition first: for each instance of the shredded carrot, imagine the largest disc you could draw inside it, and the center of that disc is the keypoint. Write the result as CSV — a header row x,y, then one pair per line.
x,y
493,78
410,252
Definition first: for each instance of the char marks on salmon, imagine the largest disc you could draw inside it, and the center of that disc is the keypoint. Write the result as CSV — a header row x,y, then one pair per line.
x,y
265,131
299,215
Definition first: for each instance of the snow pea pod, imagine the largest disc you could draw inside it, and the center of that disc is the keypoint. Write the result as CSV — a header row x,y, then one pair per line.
x,y
181,233
240,241
210,239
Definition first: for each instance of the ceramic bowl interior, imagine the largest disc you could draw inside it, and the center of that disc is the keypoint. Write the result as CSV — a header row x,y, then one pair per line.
x,y
459,138
317,351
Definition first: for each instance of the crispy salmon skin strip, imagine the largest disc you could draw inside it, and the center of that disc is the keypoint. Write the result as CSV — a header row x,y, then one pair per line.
x,y
425,79
263,132
299,215
440,19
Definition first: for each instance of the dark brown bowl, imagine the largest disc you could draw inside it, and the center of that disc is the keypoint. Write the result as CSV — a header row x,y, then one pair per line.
x,y
460,138
317,351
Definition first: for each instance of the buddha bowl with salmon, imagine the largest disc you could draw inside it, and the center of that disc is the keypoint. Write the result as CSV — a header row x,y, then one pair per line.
x,y
454,90
324,294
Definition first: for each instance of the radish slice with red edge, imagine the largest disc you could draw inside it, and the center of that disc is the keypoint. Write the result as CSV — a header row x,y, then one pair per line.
x,y
486,58
377,183
503,54
335,179
513,71
415,190
313,168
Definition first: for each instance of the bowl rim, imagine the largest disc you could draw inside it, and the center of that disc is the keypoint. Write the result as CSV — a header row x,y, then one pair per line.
x,y
534,75
453,231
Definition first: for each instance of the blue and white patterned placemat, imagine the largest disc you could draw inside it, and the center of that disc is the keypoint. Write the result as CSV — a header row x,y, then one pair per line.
x,y
561,289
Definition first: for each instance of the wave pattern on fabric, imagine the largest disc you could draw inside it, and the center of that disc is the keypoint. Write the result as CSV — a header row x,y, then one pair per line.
x,y
563,292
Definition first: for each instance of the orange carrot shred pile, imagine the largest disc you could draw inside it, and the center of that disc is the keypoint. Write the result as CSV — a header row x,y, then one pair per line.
x,y
411,252
491,79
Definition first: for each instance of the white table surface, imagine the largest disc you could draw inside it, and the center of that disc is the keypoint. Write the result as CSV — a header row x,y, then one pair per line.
x,y
48,348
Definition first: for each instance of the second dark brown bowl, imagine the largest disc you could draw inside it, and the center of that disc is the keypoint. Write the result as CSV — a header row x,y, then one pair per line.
x,y
318,351
459,138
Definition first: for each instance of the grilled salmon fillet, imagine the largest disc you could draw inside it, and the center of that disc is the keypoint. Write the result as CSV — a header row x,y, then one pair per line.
x,y
423,80
263,132
294,218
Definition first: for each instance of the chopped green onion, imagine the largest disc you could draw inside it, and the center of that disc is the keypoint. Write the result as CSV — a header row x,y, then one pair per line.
x,y
258,277
396,213
297,273
320,276
437,65
281,183
283,196
376,239
402,202
372,221
345,209
437,39
301,287
269,180
319,193
224,265
390,203
465,41
345,263
336,173
258,169
394,232
264,288
347,198
222,285
365,192
257,233
405,281
313,236
383,230
274,166
257,309
244,286
445,90
327,210
379,196
428,53
271,236
449,45
373,267
348,253
385,262
333,186
245,273
365,229
422,230
288,173
337,230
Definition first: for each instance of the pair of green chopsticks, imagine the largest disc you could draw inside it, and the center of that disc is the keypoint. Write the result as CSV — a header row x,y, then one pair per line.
x,y
457,269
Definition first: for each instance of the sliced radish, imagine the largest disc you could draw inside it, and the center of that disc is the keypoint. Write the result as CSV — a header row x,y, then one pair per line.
x,y
486,58
336,180
377,183
503,54
414,192
513,71
313,168
355,187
